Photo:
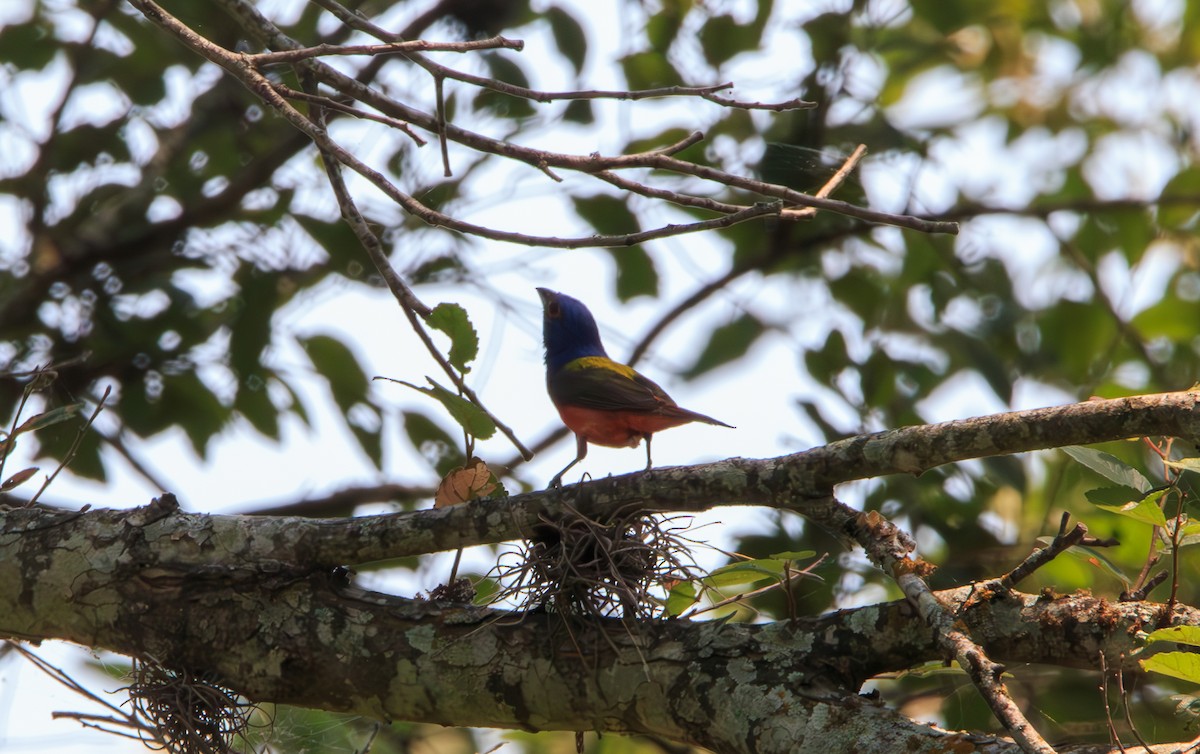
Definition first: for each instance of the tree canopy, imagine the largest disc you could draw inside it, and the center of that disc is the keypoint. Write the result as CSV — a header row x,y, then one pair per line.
x,y
844,218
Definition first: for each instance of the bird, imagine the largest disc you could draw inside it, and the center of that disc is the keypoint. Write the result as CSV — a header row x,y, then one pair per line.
x,y
602,401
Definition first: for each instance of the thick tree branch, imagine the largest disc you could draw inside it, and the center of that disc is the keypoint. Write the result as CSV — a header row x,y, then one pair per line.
x,y
128,581
800,483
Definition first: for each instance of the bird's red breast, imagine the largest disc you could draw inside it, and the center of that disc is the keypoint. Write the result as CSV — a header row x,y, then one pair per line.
x,y
617,429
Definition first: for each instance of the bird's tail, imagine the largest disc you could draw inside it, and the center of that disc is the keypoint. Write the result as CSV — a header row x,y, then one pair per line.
x,y
693,416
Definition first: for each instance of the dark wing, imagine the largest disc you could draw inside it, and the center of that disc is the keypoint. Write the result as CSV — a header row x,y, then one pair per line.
x,y
607,389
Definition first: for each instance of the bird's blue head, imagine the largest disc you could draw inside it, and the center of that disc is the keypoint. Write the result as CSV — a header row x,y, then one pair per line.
x,y
569,330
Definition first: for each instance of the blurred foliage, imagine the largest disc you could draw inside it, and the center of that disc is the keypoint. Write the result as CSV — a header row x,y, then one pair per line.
x,y
1050,129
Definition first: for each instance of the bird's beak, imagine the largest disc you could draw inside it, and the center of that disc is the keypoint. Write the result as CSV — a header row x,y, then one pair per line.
x,y
547,295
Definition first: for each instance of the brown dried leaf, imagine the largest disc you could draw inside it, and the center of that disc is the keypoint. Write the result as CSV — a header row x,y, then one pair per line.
x,y
18,478
463,484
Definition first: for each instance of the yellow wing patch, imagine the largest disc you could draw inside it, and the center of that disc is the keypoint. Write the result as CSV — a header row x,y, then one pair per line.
x,y
601,362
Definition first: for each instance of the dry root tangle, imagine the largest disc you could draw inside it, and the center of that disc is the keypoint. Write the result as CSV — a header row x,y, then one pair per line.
x,y
577,566
191,715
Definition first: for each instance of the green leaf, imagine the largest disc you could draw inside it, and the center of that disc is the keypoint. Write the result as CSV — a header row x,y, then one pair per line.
x,y
649,70
681,597
794,555
1181,215
338,365
470,417
746,572
1095,558
30,45
1189,635
48,418
253,401
1183,665
485,590
728,343
722,37
1145,509
636,274
568,36
663,27
193,406
433,443
1185,464
579,111
452,319
1113,496
609,215
1110,467
370,439
504,69
1189,534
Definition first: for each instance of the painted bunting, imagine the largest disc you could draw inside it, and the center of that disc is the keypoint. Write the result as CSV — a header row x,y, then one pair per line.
x,y
602,401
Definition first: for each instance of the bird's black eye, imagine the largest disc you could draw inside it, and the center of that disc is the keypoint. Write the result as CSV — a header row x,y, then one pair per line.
x,y
553,309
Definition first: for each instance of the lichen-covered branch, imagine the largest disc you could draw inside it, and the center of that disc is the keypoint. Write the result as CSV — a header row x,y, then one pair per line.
x,y
280,630
801,482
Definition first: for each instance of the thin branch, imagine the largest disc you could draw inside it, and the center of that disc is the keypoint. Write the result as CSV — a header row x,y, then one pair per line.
x,y
1125,330
832,184
261,86
440,109
439,71
145,733
1113,736
1125,706
704,92
409,303
332,104
1038,558
889,547
539,159
684,200
388,48
777,107
118,444
74,447
1140,593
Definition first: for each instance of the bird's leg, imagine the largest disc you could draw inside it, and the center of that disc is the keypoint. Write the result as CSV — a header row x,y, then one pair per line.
x,y
648,436
580,454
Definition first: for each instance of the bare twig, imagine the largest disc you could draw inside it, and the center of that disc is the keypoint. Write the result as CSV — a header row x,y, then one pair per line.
x,y
388,48
832,184
1113,737
1038,558
704,92
409,303
888,547
332,104
73,449
440,110
117,715
1141,592
439,71
784,583
118,444
1125,707
260,25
